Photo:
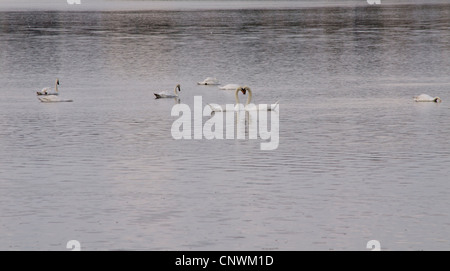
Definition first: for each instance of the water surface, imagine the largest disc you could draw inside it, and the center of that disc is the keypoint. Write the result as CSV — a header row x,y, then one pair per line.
x,y
357,159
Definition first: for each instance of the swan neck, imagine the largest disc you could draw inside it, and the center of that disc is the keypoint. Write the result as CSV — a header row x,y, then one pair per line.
x,y
56,86
236,96
249,96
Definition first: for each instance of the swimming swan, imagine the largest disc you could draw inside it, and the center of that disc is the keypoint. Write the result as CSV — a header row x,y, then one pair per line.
x,y
49,90
209,81
230,86
247,107
427,98
165,94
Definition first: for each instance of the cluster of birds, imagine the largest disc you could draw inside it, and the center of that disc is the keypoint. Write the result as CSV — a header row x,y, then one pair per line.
x,y
48,95
223,108
209,81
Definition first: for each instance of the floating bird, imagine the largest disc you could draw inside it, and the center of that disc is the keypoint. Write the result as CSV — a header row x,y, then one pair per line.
x,y
209,81
427,98
165,94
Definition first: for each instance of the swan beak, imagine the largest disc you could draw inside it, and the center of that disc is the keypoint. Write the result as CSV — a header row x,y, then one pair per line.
x,y
244,90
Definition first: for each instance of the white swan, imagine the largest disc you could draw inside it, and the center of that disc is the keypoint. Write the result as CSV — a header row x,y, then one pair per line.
x,y
230,86
52,99
427,98
49,90
247,106
209,81
165,94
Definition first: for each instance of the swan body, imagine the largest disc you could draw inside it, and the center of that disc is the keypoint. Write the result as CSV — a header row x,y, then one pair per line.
x,y
247,107
52,99
209,81
49,90
427,98
230,86
165,94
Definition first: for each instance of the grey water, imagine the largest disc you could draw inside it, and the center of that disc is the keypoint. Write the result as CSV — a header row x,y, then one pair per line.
x,y
357,159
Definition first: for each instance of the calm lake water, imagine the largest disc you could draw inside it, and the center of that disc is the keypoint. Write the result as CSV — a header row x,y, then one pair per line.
x,y
357,159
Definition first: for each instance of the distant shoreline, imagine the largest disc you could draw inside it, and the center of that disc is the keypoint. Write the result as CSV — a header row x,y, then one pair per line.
x,y
104,5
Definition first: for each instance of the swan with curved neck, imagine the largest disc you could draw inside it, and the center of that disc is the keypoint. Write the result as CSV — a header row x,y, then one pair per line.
x,y
427,98
48,90
164,94
249,98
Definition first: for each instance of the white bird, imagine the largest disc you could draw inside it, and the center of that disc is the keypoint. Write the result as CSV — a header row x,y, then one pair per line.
x,y
248,106
49,90
427,98
165,94
52,99
209,81
230,86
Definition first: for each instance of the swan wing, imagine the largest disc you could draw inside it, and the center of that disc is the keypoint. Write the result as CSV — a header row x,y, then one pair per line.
x,y
49,99
209,81
424,98
44,91
164,94
47,91
52,99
